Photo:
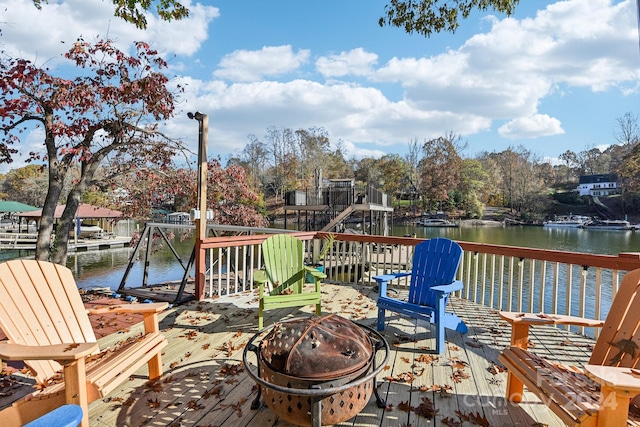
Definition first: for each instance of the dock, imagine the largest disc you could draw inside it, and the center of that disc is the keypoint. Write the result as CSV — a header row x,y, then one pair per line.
x,y
27,242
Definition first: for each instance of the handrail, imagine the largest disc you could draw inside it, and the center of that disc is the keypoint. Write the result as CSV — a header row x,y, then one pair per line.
x,y
499,276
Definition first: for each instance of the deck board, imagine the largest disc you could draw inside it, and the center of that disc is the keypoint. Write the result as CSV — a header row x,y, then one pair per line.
x,y
205,338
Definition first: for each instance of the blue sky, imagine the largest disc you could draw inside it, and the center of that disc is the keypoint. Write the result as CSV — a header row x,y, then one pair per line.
x,y
554,77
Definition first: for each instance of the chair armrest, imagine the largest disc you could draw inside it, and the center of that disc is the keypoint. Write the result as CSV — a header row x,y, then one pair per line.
x,y
260,276
615,377
520,323
58,352
315,273
383,279
392,276
548,319
456,285
155,307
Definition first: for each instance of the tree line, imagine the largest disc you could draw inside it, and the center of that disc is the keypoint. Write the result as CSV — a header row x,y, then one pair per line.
x,y
435,175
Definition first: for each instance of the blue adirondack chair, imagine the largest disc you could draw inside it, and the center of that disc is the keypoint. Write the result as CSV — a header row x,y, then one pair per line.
x,y
435,264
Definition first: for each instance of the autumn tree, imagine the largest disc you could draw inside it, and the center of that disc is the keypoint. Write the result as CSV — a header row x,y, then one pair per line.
x,y
233,200
439,171
310,146
570,160
473,179
108,114
593,161
133,10
27,184
367,171
254,158
395,171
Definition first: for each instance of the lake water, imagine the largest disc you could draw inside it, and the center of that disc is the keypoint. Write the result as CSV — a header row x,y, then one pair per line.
x,y
106,268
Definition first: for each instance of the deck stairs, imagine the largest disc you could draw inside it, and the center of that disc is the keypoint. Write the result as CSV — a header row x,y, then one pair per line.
x,y
338,219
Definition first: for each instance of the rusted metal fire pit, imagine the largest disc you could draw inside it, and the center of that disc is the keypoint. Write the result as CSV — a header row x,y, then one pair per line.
x,y
315,371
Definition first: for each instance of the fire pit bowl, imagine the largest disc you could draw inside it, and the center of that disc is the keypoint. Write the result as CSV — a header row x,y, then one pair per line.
x,y
317,370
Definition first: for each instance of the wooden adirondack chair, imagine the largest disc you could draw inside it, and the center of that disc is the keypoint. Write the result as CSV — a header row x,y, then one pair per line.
x,y
600,394
433,272
48,327
284,273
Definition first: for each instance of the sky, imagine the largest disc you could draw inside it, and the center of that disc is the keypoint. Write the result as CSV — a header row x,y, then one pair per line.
x,y
555,76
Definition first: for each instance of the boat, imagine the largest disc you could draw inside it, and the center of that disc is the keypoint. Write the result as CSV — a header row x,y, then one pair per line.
x,y
608,224
89,230
436,222
567,221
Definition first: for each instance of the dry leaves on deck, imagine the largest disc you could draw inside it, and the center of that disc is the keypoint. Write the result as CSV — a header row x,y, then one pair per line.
x,y
404,377
474,418
426,408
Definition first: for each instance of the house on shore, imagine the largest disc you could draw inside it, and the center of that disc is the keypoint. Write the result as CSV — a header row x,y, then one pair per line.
x,y
598,185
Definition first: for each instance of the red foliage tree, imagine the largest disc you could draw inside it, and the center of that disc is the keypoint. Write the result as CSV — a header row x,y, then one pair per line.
x,y
229,195
107,115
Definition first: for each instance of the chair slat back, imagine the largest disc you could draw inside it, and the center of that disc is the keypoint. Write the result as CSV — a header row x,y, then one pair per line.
x,y
40,305
619,341
284,262
435,262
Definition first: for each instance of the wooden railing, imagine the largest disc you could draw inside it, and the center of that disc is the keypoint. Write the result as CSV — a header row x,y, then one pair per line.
x,y
498,276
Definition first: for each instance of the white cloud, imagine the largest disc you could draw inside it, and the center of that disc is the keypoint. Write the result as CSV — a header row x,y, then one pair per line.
x,y
531,127
357,62
271,61
510,73
51,30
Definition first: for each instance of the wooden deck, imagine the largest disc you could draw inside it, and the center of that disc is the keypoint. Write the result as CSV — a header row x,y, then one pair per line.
x,y
205,383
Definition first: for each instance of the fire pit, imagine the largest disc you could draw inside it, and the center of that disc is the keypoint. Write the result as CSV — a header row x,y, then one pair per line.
x,y
316,371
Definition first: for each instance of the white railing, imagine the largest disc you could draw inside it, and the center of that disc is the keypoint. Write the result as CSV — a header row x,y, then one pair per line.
x,y
500,277
16,240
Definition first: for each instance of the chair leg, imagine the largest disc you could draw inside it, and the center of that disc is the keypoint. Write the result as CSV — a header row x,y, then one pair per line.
x,y
439,337
381,319
614,408
438,317
155,366
515,388
76,387
319,309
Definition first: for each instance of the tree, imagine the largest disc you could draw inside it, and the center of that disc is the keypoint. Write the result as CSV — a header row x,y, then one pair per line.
x,y
394,170
108,114
27,184
439,171
133,10
628,132
472,180
428,16
367,171
310,146
570,159
228,192
593,161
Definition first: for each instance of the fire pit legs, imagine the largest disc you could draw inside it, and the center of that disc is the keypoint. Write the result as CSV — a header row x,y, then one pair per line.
x,y
316,408
379,345
256,402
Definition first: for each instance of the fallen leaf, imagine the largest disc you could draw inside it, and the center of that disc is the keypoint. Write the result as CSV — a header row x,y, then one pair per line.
x,y
426,408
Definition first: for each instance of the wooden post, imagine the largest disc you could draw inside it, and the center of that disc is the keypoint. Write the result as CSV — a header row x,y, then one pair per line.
x,y
201,223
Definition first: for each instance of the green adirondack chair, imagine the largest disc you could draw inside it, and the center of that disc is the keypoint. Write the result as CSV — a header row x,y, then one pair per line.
x,y
281,281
